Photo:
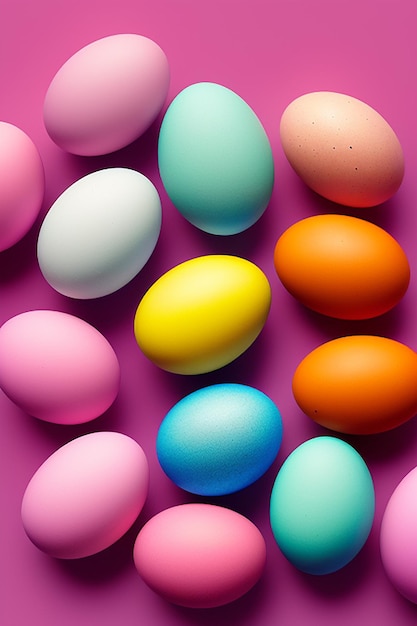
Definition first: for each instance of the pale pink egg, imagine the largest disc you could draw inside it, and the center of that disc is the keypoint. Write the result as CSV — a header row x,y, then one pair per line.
x,y
22,184
57,367
200,555
398,538
86,495
107,94
342,148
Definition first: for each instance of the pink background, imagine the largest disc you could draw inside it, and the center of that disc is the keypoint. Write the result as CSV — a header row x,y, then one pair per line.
x,y
269,52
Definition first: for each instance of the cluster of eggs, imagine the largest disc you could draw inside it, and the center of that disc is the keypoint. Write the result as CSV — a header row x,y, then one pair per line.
x,y
216,164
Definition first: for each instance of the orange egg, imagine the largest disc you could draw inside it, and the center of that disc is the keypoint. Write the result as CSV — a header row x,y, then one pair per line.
x,y
342,266
359,384
342,148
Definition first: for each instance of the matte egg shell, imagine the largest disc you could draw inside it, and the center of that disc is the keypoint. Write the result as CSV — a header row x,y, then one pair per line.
x,y
398,537
342,266
57,367
86,495
203,313
215,159
360,384
22,184
342,148
219,439
99,233
200,555
107,94
322,505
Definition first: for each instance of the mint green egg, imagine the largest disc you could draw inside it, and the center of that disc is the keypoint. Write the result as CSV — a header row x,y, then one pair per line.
x,y
215,159
322,505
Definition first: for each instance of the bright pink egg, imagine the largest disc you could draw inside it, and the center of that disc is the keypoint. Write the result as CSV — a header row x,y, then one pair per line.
x,y
57,367
200,555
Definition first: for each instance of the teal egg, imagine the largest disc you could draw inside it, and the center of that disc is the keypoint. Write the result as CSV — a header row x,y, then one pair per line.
x,y
215,159
322,505
219,439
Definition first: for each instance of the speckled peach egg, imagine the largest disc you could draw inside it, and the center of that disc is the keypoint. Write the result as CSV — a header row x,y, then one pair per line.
x,y
342,148
342,266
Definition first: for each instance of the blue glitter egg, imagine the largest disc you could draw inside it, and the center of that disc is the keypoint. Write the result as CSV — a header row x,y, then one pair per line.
x,y
219,439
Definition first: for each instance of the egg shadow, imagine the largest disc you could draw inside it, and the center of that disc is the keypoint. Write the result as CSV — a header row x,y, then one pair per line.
x,y
104,566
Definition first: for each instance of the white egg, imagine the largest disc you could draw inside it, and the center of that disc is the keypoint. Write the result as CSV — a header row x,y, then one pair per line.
x,y
99,233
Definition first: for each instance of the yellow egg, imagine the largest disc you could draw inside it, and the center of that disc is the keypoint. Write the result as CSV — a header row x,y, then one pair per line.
x,y
202,314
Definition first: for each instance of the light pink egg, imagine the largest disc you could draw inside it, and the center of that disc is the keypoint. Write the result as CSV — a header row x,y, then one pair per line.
x,y
86,495
57,367
342,148
107,94
398,538
200,555
22,184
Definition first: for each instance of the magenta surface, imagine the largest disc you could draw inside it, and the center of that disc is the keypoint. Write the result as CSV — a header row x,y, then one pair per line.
x,y
269,52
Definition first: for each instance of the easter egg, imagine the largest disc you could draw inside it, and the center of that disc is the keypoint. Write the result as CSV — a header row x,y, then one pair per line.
x,y
202,314
99,233
22,184
86,495
322,505
342,266
215,159
200,555
107,94
398,536
57,367
359,384
219,439
342,148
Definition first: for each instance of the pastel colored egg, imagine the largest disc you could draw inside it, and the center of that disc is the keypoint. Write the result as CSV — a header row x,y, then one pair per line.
x,y
86,495
342,148
202,314
22,184
57,367
107,94
99,233
360,384
322,505
398,537
219,439
200,555
342,266
215,159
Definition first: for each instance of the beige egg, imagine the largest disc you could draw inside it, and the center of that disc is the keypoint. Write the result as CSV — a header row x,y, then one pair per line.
x,y
342,148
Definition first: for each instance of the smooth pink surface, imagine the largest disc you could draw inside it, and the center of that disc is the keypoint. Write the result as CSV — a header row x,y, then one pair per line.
x,y
106,94
22,184
399,537
57,367
269,52
86,495
199,555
